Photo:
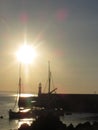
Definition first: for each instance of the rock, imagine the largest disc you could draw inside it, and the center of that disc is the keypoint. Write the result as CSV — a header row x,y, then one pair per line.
x,y
24,126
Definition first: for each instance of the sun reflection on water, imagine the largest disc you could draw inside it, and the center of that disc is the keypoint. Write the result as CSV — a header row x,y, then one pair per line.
x,y
25,121
26,95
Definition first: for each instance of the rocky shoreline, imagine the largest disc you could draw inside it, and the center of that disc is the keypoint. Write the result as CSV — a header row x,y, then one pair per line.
x,y
51,122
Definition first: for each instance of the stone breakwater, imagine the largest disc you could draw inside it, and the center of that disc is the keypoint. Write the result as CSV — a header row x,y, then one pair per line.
x,y
74,103
51,122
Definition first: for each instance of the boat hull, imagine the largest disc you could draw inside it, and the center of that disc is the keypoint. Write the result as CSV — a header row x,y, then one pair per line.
x,y
19,115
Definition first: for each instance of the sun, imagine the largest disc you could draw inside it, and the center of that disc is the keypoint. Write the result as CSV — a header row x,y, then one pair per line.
x,y
26,54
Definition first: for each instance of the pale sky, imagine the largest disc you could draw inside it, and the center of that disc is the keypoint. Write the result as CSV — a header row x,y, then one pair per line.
x,y
64,32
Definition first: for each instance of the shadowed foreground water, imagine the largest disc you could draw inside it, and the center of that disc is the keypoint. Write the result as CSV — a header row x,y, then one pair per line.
x,y
51,122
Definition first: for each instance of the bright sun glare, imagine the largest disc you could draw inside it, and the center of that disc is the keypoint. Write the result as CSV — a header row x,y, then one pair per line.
x,y
26,54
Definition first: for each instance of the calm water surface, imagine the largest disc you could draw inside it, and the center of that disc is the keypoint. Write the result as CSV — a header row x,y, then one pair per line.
x,y
7,101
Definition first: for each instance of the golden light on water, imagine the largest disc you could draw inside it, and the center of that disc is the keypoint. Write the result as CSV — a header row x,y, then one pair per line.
x,y
25,121
26,95
26,54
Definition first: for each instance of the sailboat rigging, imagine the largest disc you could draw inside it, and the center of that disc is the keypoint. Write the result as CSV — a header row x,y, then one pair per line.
x,y
21,113
45,102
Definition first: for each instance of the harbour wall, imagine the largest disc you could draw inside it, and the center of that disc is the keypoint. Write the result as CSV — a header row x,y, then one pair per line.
x,y
68,102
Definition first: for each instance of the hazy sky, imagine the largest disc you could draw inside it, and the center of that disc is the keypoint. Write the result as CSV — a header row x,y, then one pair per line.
x,y
62,31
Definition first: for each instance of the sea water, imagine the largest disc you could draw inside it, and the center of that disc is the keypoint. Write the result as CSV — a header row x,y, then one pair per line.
x,y
7,101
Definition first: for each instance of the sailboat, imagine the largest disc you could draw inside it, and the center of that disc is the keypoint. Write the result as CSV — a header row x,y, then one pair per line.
x,y
45,103
21,112
41,105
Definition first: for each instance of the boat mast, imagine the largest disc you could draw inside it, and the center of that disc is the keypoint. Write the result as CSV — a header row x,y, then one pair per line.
x,y
49,77
19,83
